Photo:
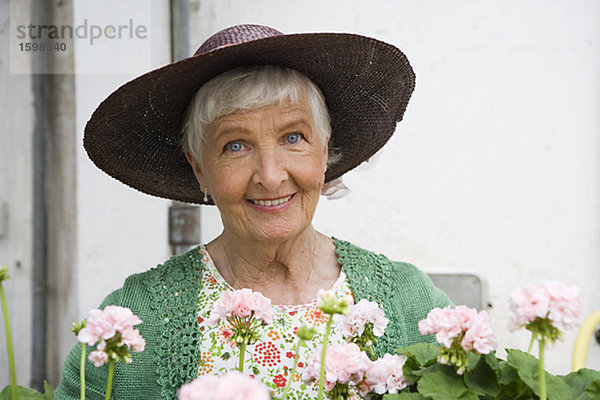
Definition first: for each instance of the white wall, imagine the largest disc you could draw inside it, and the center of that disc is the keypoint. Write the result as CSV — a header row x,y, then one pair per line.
x,y
120,231
16,228
496,168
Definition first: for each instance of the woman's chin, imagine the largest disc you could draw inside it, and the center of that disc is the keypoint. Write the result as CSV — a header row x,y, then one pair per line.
x,y
274,233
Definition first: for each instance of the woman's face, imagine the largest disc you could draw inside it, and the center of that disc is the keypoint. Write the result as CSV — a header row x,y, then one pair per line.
x,y
264,170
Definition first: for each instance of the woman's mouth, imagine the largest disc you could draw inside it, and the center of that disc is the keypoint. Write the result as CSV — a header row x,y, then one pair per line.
x,y
273,202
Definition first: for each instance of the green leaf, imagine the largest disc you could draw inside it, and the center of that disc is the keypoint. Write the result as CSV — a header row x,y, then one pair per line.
x,y
495,365
493,362
411,369
441,382
48,391
508,374
472,359
405,396
584,383
526,366
512,387
481,378
22,392
418,356
424,353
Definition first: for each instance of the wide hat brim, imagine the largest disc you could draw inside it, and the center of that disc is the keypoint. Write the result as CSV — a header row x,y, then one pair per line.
x,y
134,135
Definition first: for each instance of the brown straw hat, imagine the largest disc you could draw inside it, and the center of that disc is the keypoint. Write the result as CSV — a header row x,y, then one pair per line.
x,y
134,134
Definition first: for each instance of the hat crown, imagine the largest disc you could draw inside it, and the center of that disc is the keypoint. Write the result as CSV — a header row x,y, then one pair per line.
x,y
236,35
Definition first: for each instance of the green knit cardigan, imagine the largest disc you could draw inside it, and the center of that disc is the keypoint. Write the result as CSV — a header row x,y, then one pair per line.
x,y
165,298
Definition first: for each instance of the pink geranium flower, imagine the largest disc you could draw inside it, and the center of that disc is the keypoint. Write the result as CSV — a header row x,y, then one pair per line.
x,y
345,363
98,327
98,357
385,376
133,339
363,312
232,386
449,324
479,335
245,311
121,318
556,301
111,329
241,303
104,324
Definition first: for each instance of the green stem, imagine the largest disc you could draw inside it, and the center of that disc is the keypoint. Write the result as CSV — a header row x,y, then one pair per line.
x,y
111,369
541,370
82,371
323,353
9,346
242,355
372,355
531,343
293,373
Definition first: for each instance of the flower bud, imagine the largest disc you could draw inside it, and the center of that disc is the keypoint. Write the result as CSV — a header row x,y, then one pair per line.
x,y
3,274
330,304
78,326
306,332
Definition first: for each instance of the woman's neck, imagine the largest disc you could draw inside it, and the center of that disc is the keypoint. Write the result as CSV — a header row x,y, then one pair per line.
x,y
285,272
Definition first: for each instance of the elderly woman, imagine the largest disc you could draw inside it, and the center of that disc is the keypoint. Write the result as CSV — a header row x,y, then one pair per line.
x,y
256,123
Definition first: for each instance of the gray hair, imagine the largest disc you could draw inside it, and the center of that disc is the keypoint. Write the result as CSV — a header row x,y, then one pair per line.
x,y
246,89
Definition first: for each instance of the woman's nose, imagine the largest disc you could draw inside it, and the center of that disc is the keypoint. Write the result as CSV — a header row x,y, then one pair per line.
x,y
270,169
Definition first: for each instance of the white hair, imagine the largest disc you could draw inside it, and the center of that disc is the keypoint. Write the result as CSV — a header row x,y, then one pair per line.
x,y
250,88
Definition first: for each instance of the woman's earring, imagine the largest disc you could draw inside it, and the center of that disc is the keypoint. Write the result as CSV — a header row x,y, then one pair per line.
x,y
206,194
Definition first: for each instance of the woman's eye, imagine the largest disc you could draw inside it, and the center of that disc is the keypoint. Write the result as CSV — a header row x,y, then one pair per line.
x,y
234,147
293,138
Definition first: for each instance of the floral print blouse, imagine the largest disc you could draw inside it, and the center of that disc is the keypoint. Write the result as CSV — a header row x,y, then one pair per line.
x,y
271,358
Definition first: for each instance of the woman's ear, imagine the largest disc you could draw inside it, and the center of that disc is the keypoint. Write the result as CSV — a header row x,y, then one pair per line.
x,y
197,168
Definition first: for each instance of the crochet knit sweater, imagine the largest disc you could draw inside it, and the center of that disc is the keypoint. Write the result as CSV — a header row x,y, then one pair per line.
x,y
165,299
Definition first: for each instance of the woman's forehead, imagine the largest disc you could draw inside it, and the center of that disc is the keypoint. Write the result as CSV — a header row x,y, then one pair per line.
x,y
286,113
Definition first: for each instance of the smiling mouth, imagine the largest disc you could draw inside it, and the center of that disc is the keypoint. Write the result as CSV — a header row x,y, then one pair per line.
x,y
271,203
